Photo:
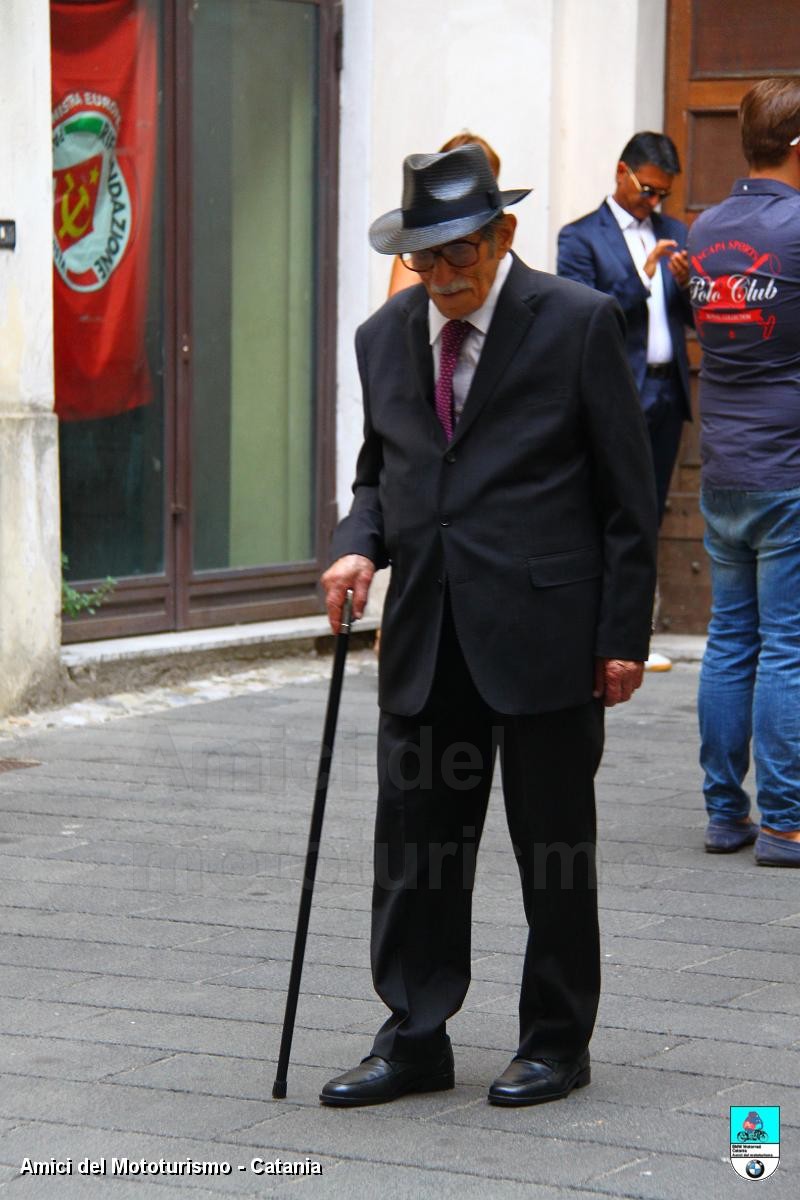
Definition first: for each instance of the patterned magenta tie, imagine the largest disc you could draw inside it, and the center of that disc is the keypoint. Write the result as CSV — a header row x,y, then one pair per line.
x,y
453,335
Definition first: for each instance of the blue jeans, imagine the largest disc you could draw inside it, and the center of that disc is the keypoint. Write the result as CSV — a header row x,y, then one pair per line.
x,y
750,679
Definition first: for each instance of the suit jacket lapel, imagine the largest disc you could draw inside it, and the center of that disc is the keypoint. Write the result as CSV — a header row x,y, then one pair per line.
x,y
511,321
419,351
616,238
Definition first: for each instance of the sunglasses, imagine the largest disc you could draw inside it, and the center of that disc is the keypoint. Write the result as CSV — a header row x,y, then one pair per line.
x,y
645,190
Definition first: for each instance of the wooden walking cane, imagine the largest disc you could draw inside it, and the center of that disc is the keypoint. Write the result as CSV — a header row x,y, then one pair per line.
x,y
312,853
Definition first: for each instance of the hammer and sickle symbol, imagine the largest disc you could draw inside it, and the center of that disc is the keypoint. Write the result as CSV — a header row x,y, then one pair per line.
x,y
69,215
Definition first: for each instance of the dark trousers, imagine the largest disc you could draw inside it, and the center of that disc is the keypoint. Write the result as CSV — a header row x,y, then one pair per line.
x,y
662,405
435,773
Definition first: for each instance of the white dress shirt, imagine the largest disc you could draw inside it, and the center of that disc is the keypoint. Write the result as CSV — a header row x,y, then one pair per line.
x,y
471,347
640,239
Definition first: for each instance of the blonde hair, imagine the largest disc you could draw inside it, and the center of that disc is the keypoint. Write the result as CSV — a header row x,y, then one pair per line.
x,y
471,139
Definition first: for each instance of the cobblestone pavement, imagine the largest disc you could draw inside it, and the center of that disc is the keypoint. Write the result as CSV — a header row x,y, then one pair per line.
x,y
150,861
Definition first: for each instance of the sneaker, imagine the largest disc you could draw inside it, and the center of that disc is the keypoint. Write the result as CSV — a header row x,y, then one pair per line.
x,y
658,662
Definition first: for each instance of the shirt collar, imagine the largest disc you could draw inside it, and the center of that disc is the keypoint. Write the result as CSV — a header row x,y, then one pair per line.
x,y
763,187
481,319
624,219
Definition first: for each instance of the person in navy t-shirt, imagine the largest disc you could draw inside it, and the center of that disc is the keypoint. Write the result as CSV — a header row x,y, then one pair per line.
x,y
744,261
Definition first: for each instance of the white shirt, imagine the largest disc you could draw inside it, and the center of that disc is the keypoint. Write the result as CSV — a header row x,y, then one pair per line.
x,y
479,322
640,239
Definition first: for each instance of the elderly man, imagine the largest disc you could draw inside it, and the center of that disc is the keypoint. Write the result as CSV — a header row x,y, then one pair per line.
x,y
745,262
505,475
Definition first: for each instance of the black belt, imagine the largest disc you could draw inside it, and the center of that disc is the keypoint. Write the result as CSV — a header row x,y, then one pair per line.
x,y
659,370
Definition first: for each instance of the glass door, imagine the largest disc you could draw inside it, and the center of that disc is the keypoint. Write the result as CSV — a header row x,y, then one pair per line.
x,y
197,456
257,308
254,137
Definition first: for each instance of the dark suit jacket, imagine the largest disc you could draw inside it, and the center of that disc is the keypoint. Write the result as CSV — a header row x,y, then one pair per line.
x,y
593,251
539,517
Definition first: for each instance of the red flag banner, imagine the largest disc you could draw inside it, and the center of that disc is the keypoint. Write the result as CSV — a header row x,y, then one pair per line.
x,y
105,79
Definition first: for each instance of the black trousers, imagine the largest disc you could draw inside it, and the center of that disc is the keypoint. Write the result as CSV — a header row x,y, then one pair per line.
x,y
435,772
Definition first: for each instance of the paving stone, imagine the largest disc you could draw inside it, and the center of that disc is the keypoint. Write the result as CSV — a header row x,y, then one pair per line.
x,y
101,958
320,948
318,1010
695,1020
684,987
120,929
759,965
38,983
239,1038
407,1142
717,906
769,997
732,1060
79,1188
114,1107
56,1057
787,1098
641,1130
672,1176
628,1045
356,1179
675,956
23,1016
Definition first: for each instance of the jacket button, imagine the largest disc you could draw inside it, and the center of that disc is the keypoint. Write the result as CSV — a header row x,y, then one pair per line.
x,y
445,521
450,456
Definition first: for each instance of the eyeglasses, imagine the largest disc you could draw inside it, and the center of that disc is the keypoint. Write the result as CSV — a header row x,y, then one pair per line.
x,y
645,190
457,254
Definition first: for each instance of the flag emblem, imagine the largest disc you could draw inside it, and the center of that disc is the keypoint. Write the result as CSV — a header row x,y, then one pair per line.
x,y
92,214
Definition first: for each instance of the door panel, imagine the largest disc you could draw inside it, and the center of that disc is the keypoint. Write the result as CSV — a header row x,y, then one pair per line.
x,y
254,134
716,51
743,38
109,302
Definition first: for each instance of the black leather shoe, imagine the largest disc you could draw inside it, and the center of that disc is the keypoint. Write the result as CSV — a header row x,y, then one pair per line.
x,y
535,1081
377,1080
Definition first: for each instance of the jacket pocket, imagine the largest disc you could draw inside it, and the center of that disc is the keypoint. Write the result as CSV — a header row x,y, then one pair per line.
x,y
570,566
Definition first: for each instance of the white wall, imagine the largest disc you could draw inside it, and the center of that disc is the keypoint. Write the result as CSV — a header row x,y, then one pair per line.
x,y
415,74
26,346
608,82
355,166
441,66
556,86
29,516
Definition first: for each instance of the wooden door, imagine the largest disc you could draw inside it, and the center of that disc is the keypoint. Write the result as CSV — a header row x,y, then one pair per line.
x,y
716,51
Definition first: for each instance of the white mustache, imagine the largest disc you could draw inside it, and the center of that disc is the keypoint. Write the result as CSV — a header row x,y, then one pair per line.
x,y
450,289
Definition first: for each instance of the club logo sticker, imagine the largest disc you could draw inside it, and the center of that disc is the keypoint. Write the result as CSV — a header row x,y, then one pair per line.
x,y
755,1140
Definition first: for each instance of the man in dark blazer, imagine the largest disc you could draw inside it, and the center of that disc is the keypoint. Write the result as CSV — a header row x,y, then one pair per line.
x,y
504,475
630,251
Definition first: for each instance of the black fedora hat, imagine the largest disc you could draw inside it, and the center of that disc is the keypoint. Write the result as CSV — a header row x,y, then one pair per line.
x,y
445,196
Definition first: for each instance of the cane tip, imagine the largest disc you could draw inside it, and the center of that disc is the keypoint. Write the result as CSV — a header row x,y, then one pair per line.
x,y
279,1089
